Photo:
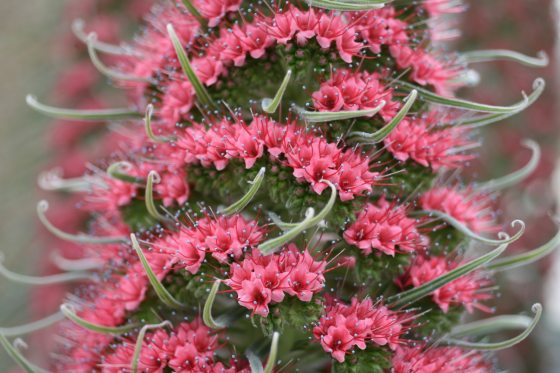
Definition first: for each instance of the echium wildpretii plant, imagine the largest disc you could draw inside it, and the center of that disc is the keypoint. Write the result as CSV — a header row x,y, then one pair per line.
x,y
290,200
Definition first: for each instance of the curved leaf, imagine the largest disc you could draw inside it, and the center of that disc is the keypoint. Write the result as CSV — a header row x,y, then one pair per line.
x,y
140,341
248,197
270,106
207,311
153,176
503,54
329,116
16,355
347,5
43,280
32,327
69,313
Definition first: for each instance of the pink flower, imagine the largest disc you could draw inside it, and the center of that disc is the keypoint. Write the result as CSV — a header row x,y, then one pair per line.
x,y
208,69
282,27
347,45
328,29
255,296
328,98
384,226
305,23
254,38
215,10
177,102
173,187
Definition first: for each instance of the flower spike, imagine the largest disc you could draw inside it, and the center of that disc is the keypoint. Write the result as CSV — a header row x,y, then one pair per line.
x,y
467,232
100,66
248,197
118,171
483,120
160,290
410,296
78,28
517,176
310,220
81,115
201,92
207,317
382,133
526,258
348,5
464,104
43,280
270,106
496,346
32,326
153,177
503,54
16,355
329,116
70,313
140,341
149,129
43,206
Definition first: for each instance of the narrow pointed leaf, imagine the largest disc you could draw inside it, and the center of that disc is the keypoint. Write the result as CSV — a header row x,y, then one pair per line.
x,y
148,127
503,54
153,176
110,73
201,93
310,220
464,104
81,115
207,317
467,232
410,296
496,346
525,258
515,177
78,26
329,116
140,341
271,362
52,180
491,325
381,134
248,197
160,290
255,363
538,88
69,313
195,13
347,5
270,106
75,265
43,206
118,171
44,280
16,355
32,327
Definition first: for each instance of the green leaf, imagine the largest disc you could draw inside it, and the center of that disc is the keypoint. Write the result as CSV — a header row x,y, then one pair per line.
x,y
410,296
153,176
201,93
467,232
43,206
69,313
140,341
78,30
517,176
270,106
148,127
43,280
496,346
254,362
16,355
118,171
381,134
160,290
272,354
525,258
100,66
491,325
464,104
503,54
207,311
329,116
348,5
82,115
248,197
310,220
483,120
192,10
32,326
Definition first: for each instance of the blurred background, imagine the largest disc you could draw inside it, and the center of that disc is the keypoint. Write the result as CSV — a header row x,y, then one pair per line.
x,y
37,47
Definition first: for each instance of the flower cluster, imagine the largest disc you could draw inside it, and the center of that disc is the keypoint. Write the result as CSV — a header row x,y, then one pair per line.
x,y
385,227
260,280
344,327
